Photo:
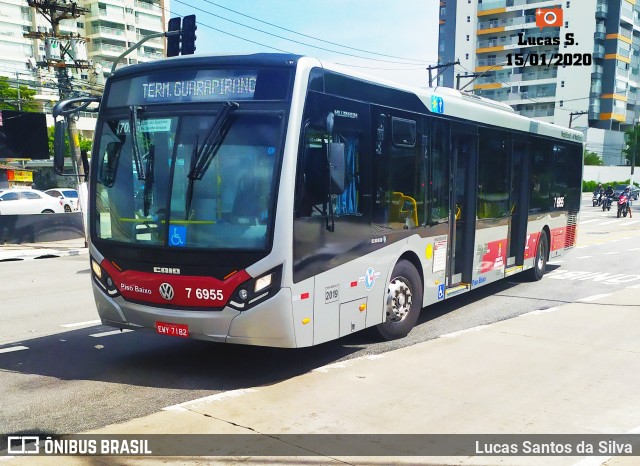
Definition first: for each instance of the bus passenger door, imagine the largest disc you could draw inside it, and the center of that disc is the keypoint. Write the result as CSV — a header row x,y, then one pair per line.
x,y
464,143
519,204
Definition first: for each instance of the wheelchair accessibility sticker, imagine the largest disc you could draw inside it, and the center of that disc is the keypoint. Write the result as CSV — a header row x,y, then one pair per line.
x,y
177,236
441,291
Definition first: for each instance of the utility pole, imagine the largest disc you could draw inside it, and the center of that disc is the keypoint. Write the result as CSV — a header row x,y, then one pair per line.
x,y
572,114
437,67
55,11
466,75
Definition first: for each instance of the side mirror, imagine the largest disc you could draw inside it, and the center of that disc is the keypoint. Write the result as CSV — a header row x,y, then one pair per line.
x,y
337,168
59,145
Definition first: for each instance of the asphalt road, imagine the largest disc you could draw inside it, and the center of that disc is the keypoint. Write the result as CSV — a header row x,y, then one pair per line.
x,y
61,372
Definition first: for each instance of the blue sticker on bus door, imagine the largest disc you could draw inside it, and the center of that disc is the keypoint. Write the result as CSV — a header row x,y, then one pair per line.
x,y
441,291
437,104
178,235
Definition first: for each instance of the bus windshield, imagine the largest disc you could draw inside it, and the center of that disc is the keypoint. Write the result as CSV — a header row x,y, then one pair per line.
x,y
228,206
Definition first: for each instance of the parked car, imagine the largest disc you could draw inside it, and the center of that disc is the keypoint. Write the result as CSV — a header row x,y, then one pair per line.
x,y
619,188
69,197
15,201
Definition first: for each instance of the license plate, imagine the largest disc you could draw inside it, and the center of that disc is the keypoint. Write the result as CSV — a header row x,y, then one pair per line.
x,y
175,330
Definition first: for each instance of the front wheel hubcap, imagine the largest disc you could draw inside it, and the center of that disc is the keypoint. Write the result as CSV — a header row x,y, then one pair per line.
x,y
399,299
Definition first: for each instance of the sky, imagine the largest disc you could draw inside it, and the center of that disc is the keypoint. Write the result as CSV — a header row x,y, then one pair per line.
x,y
392,39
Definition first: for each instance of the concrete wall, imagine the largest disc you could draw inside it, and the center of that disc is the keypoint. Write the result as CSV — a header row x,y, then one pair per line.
x,y
608,174
18,229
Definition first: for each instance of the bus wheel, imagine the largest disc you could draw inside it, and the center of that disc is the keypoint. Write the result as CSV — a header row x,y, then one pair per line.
x,y
403,301
540,264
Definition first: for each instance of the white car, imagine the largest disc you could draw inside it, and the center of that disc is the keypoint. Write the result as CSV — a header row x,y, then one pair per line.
x,y
17,201
69,197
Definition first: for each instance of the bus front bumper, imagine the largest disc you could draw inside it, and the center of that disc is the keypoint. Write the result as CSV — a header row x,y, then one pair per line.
x,y
269,323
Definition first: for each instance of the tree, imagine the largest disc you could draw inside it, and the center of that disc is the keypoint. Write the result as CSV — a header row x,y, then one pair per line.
x,y
9,97
591,158
632,139
85,144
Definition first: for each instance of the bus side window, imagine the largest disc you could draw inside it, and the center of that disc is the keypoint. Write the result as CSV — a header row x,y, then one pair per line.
x,y
439,195
313,177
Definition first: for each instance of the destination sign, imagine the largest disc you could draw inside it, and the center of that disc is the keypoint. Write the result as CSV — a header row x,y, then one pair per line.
x,y
184,86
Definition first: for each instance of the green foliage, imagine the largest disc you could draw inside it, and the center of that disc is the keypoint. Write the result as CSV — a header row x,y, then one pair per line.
x,y
632,139
591,158
590,186
9,97
85,144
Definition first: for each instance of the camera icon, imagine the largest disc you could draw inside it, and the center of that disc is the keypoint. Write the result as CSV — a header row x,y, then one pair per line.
x,y
549,17
23,445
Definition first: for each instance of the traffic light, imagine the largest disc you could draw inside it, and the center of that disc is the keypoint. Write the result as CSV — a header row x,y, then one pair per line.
x,y
173,41
189,34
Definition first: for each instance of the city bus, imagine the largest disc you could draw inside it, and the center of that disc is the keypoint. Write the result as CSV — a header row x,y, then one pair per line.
x,y
283,201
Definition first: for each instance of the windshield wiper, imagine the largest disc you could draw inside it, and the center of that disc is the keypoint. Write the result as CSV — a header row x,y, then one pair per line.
x,y
202,157
133,127
149,179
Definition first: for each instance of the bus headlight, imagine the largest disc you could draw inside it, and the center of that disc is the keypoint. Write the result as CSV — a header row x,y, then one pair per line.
x,y
262,283
256,290
103,279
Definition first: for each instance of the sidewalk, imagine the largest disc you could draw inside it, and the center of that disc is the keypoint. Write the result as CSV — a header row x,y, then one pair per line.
x,y
69,247
574,369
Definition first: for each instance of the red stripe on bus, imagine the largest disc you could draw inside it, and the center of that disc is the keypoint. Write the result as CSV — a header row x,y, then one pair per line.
x,y
187,290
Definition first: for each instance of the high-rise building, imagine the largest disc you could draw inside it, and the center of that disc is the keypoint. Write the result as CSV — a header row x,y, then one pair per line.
x,y
111,26
576,62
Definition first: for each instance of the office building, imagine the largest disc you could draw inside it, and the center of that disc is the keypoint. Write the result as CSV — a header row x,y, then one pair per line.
x,y
581,68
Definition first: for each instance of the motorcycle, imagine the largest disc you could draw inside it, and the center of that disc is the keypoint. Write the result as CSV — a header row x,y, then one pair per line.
x,y
623,205
597,198
606,203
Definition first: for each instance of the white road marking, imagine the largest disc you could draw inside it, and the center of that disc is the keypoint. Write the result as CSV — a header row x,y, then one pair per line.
x,y
599,460
80,324
540,311
554,262
588,221
584,257
610,222
609,253
634,249
13,348
593,298
462,332
112,332
210,398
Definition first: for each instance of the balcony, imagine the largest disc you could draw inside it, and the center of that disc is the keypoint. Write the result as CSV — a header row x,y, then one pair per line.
x,y
548,73
602,10
599,36
492,5
148,7
598,52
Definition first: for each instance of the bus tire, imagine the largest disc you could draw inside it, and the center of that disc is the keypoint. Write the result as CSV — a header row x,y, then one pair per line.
x,y
540,263
403,302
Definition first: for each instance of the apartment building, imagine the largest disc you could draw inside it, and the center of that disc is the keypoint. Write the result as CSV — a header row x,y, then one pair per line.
x,y
581,68
111,27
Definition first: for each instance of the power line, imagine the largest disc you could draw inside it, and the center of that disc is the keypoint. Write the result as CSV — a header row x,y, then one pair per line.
x,y
281,37
308,36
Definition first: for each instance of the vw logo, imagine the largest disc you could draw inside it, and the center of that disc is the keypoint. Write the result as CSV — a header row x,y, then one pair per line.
x,y
166,291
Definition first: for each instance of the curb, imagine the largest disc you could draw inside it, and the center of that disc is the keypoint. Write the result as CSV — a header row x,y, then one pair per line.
x,y
19,255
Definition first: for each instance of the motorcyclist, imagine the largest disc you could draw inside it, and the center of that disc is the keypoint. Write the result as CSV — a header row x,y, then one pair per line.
x,y
597,195
627,192
608,191
608,197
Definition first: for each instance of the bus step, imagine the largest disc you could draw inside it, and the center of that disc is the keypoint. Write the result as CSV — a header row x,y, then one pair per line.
x,y
454,290
511,270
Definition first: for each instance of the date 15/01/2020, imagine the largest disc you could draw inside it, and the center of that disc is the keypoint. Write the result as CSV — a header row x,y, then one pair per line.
x,y
552,59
